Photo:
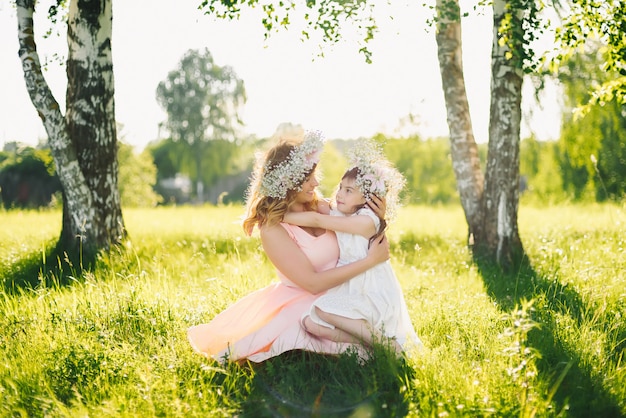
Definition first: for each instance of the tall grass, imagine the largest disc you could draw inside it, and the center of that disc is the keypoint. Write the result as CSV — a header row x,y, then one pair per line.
x,y
548,340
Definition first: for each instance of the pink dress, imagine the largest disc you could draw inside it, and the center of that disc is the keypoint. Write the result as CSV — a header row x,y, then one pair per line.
x,y
267,323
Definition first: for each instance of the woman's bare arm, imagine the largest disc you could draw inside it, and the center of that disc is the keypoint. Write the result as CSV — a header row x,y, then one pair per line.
x,y
289,259
358,224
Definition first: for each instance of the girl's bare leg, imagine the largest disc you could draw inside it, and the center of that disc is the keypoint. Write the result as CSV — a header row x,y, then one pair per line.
x,y
359,329
335,334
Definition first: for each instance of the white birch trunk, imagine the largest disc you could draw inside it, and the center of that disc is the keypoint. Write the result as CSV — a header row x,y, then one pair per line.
x,y
77,196
84,142
464,151
91,111
490,203
501,195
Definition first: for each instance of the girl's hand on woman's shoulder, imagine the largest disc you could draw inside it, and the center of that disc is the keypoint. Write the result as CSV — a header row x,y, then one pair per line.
x,y
323,206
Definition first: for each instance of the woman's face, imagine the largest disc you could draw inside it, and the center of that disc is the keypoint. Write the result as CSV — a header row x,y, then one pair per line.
x,y
307,194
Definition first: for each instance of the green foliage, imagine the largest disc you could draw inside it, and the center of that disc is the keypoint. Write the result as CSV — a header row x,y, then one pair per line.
x,y
202,99
545,171
324,16
168,156
332,167
589,21
27,178
136,177
521,26
592,148
224,158
33,170
111,342
540,172
225,164
427,167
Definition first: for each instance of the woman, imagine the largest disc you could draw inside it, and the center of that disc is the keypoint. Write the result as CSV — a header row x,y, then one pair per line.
x,y
267,322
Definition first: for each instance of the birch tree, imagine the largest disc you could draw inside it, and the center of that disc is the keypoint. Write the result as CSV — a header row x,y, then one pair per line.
x,y
202,101
84,140
499,238
491,202
463,147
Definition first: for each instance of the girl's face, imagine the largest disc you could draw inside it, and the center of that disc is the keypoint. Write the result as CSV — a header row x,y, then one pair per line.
x,y
307,194
349,198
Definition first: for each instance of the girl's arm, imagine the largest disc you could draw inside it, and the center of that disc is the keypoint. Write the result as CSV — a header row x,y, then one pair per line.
x,y
289,259
357,224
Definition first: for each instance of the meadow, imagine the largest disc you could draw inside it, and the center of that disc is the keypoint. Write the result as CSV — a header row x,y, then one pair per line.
x,y
547,340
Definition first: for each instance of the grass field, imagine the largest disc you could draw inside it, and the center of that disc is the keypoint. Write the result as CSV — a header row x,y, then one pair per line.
x,y
548,340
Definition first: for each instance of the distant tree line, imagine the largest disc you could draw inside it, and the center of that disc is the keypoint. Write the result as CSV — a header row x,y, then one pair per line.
x,y
551,171
28,178
225,168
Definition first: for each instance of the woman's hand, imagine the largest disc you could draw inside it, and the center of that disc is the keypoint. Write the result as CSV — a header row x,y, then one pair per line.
x,y
378,205
379,250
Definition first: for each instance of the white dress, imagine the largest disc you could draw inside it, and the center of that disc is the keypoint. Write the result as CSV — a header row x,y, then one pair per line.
x,y
375,295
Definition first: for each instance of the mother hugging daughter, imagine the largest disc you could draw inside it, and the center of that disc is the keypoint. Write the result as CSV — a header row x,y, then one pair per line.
x,y
299,312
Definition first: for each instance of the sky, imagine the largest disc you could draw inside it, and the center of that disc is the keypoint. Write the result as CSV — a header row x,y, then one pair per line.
x,y
286,79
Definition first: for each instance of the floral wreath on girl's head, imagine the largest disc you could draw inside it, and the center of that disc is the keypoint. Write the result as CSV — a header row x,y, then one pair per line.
x,y
291,173
376,175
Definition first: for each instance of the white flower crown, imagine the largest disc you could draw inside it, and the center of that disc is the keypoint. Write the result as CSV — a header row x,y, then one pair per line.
x,y
376,175
291,173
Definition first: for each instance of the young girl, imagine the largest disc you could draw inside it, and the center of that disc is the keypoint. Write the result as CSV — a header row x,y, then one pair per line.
x,y
370,307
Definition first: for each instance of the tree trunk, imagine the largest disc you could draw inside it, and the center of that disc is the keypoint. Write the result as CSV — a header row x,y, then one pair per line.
x,y
83,143
91,113
463,148
501,239
490,204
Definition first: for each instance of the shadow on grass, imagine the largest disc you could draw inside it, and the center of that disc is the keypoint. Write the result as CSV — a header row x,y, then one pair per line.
x,y
306,384
53,266
581,390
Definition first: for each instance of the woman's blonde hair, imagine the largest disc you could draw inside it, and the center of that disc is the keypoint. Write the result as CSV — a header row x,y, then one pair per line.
x,y
264,210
